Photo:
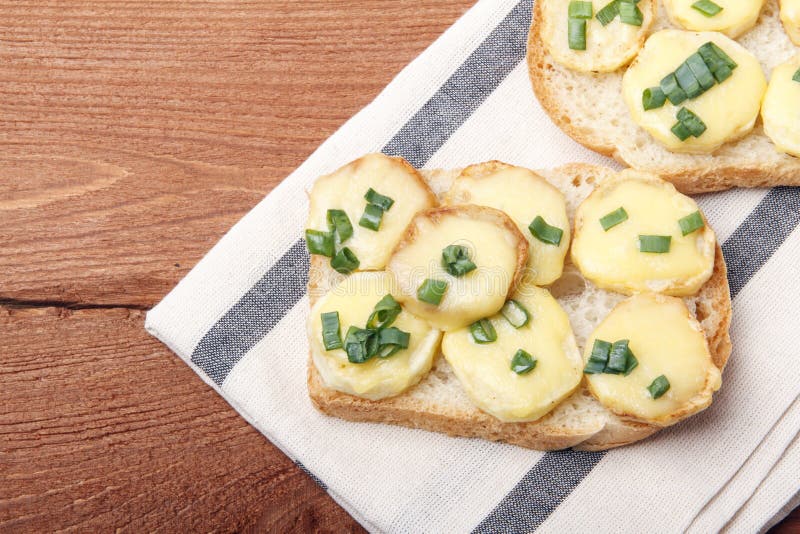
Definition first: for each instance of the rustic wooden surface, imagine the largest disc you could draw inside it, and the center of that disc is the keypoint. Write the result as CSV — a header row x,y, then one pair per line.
x,y
132,136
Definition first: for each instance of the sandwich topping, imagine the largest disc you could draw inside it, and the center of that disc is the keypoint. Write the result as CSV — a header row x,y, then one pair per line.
x,y
731,17
790,16
781,108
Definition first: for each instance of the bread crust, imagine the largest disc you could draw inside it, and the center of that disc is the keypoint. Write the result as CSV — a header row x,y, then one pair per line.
x,y
697,177
713,311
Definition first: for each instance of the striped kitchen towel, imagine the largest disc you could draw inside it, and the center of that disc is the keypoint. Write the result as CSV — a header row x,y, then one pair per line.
x,y
238,320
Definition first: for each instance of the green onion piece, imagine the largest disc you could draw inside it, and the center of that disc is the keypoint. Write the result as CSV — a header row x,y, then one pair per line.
x,y
692,122
608,13
385,312
687,81
681,131
617,358
339,222
653,98
373,197
345,261
673,91
723,73
722,55
598,358
576,34
360,344
707,7
721,68
319,243
610,220
391,340
658,387
371,218
580,10
657,244
701,71
629,13
432,291
631,364
483,332
330,331
456,261
515,313
691,222
522,362
544,232
796,77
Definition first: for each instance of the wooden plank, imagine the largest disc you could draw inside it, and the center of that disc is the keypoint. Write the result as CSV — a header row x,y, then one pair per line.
x,y
134,134
102,427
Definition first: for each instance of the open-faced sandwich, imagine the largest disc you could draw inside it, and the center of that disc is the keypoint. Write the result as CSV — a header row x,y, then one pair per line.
x,y
678,89
577,307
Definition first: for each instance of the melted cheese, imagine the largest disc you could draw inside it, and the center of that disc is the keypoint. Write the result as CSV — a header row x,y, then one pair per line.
x,y
781,108
612,260
729,109
607,47
355,298
522,195
485,370
790,15
736,17
667,341
345,189
479,293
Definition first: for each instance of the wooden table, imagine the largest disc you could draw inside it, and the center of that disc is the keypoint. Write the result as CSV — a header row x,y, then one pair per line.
x,y
133,134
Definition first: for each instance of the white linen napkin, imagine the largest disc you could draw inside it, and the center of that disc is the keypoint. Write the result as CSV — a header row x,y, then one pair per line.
x,y
238,320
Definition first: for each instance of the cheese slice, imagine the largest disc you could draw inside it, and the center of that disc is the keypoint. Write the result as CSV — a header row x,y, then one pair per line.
x,y
355,298
496,247
781,108
666,340
345,190
736,17
522,195
612,259
728,109
485,372
790,16
607,47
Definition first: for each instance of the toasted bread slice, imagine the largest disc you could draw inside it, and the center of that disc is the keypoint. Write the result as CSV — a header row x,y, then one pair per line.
x,y
439,403
589,108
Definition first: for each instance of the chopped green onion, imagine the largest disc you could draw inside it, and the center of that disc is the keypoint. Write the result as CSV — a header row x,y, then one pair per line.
x,y
707,7
658,244
456,261
515,313
522,362
723,73
653,98
691,222
391,340
721,68
692,122
576,34
796,77
544,232
371,218
319,242
726,59
383,202
617,358
483,332
681,131
580,10
598,358
629,13
360,344
700,71
608,13
658,387
671,88
345,261
610,220
339,222
385,312
631,364
432,291
687,81
331,338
